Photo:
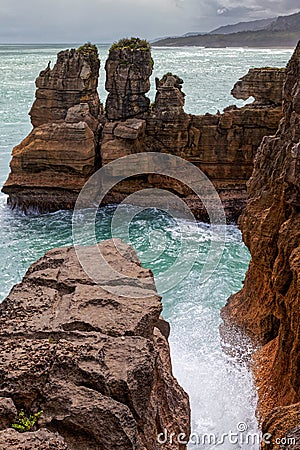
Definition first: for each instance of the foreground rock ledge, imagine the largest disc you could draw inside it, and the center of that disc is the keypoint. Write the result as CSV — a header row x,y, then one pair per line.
x,y
97,364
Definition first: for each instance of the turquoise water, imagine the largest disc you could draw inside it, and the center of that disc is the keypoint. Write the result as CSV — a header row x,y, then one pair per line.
x,y
221,391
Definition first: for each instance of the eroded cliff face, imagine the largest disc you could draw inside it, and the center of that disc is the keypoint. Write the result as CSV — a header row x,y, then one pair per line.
x,y
267,307
127,80
96,363
264,84
51,165
223,146
67,145
73,80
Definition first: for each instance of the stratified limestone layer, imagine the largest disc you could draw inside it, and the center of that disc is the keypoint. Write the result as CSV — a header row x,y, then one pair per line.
x,y
52,164
223,146
72,141
264,84
96,363
73,80
267,307
128,70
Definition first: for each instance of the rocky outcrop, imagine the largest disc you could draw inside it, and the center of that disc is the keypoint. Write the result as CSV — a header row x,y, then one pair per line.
x,y
73,80
223,146
264,84
51,165
128,70
267,307
168,124
96,362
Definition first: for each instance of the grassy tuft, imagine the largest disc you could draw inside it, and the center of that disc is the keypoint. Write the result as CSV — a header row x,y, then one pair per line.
x,y
133,43
25,423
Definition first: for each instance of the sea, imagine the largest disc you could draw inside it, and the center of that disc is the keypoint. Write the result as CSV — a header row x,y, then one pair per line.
x,y
222,394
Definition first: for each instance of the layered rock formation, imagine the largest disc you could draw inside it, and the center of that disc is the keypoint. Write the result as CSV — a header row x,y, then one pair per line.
x,y
267,307
96,363
223,146
73,80
51,165
128,69
264,84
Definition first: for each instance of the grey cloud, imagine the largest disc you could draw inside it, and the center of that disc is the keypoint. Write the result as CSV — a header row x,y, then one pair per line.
x,y
106,20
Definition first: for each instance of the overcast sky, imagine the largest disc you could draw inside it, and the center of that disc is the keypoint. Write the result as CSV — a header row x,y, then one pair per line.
x,y
107,20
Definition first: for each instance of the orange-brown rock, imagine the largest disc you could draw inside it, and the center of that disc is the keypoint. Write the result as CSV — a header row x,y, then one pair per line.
x,y
223,146
264,84
281,428
267,307
96,362
51,165
73,80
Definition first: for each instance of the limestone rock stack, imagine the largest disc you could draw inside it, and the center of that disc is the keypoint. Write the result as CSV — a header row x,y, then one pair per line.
x,y
128,70
73,80
267,307
168,124
96,363
70,140
51,165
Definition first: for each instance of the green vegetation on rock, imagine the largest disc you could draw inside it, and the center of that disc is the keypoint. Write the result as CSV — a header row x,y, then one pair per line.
x,y
25,423
132,43
89,50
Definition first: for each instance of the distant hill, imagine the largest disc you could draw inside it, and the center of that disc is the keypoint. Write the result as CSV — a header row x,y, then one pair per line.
x,y
281,32
254,25
259,39
286,23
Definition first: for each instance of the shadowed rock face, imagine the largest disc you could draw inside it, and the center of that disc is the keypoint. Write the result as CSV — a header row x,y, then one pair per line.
x,y
223,146
265,85
96,363
267,308
128,74
73,80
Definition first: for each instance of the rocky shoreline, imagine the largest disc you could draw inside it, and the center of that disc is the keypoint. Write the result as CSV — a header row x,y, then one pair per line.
x,y
97,364
93,360
73,136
